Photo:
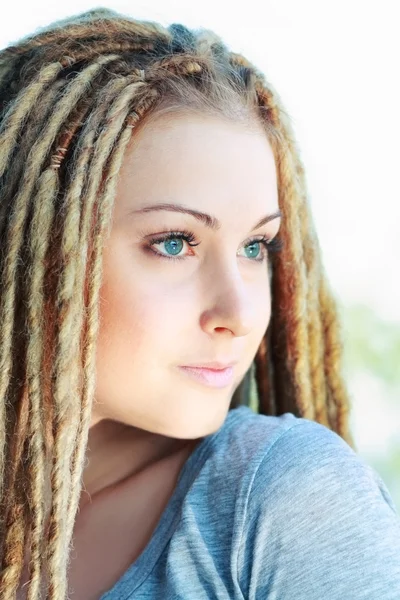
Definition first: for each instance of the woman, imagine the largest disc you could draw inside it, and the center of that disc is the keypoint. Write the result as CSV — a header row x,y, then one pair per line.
x,y
156,247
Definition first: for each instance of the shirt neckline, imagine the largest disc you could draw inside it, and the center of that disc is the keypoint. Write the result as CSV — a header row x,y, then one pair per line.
x,y
140,569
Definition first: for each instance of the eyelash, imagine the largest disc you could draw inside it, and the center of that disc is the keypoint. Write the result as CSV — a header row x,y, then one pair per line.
x,y
270,246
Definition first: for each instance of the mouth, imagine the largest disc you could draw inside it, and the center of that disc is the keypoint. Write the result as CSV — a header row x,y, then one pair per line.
x,y
215,378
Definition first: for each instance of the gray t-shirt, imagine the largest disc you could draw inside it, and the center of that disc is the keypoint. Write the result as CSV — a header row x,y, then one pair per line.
x,y
271,508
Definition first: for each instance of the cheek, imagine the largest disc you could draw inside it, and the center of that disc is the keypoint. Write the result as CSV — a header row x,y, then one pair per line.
x,y
139,317
129,321
262,307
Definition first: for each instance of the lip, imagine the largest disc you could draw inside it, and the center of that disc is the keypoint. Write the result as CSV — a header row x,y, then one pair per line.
x,y
212,377
215,365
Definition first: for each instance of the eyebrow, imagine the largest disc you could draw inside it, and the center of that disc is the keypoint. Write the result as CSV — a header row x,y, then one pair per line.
x,y
208,220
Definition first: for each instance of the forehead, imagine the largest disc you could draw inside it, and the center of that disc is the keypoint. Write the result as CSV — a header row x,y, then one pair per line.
x,y
201,160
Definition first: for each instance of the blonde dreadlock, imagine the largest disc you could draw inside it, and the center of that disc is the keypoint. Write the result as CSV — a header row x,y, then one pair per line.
x,y
71,97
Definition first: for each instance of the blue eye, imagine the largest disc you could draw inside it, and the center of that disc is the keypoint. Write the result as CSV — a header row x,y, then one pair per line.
x,y
254,249
173,245
269,246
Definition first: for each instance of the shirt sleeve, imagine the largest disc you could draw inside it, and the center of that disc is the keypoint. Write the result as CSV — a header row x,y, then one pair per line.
x,y
318,523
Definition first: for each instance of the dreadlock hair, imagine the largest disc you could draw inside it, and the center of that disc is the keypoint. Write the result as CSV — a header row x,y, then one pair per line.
x,y
71,97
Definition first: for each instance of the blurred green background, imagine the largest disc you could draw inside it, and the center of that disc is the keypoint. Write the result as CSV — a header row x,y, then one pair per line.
x,y
372,359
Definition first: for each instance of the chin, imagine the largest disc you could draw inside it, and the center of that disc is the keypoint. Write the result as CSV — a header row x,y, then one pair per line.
x,y
197,417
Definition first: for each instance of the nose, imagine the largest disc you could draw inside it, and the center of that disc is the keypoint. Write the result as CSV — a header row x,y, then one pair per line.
x,y
231,303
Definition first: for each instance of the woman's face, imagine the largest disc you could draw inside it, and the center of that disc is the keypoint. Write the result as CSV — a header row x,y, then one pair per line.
x,y
168,303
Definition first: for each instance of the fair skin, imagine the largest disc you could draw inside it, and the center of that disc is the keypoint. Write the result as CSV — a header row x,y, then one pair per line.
x,y
158,313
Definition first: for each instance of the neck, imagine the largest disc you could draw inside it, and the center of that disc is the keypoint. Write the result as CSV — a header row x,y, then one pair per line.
x,y
116,451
